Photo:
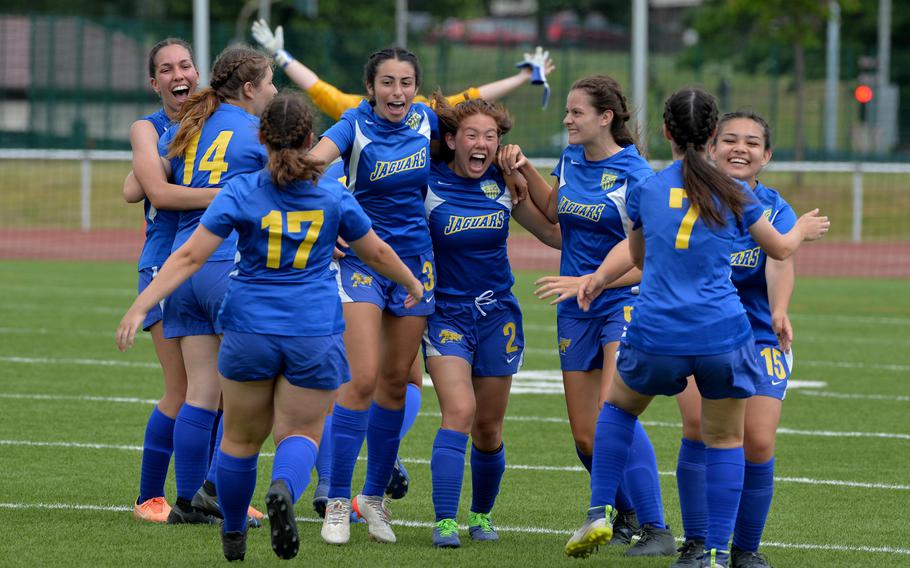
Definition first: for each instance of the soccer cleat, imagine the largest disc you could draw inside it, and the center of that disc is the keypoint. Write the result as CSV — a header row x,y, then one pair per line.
x,y
184,514
207,502
624,528
154,510
375,510
653,542
480,527
595,532
689,554
321,497
234,545
399,482
336,529
252,513
283,525
715,559
744,559
445,534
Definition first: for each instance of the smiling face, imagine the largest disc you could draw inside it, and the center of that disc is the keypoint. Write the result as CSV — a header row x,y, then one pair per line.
x,y
740,149
582,121
175,77
474,144
393,89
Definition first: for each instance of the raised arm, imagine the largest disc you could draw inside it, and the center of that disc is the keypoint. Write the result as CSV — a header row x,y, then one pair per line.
x,y
502,87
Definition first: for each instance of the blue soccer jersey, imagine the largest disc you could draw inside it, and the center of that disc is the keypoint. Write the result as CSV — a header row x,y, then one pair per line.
x,y
591,204
283,284
748,261
228,146
469,224
688,304
160,226
387,165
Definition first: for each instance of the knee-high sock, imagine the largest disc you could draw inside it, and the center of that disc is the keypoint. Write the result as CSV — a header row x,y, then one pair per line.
x,y
724,485
758,490
212,473
156,455
192,436
382,447
612,440
412,402
236,480
690,481
641,481
584,458
349,428
324,457
216,439
447,468
486,476
623,503
294,459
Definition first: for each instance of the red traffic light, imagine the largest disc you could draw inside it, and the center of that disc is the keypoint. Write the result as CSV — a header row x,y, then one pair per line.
x,y
863,94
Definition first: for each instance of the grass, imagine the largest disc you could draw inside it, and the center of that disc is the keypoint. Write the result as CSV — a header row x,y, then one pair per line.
x,y
56,339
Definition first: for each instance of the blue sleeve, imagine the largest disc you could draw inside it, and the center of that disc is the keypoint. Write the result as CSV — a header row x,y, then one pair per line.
x,y
633,205
785,218
353,222
342,132
434,124
220,216
165,140
558,167
753,209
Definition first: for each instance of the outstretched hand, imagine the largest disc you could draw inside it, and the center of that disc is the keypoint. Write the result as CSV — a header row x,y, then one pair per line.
x,y
813,225
563,287
263,35
540,64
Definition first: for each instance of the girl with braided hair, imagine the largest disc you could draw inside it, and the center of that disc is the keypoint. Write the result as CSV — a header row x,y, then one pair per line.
x,y
688,318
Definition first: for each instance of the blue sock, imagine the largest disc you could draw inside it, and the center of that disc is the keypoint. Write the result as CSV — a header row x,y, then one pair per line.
x,y
412,401
216,439
724,484
213,464
382,447
690,481
758,489
349,428
622,498
612,440
641,481
294,459
192,436
486,475
156,455
447,469
324,457
585,459
236,482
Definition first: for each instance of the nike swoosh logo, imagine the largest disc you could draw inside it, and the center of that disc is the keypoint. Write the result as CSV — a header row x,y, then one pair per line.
x,y
428,299
574,163
368,121
510,359
443,183
775,383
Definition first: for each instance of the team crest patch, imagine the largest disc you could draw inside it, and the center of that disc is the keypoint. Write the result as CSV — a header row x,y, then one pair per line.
x,y
361,279
490,188
449,336
767,214
564,344
413,120
607,179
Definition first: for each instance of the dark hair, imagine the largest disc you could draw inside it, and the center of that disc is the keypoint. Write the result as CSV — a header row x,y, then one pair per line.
x,y
284,127
690,116
377,57
605,94
750,115
450,118
234,67
161,45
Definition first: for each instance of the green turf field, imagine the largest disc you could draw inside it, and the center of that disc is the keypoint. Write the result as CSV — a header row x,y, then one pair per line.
x,y
73,412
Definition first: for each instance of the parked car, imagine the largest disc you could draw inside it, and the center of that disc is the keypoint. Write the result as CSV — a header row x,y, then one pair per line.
x,y
594,31
488,31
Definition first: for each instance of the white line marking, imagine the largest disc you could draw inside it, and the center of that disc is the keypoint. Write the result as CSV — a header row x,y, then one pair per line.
x,y
73,291
72,361
64,332
827,394
70,309
854,365
125,399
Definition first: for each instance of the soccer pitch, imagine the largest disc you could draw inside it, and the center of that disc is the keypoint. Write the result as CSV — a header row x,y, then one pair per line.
x,y
73,411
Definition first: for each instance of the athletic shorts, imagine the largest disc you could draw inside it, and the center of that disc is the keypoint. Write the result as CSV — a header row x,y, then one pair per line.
x,y
357,282
775,367
581,340
726,375
317,362
193,308
493,343
155,314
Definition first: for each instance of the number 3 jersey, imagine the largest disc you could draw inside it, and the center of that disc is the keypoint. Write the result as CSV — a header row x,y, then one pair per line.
x,y
688,305
227,146
283,284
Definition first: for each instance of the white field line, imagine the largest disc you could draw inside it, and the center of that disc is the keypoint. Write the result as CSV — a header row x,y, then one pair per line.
x,y
71,291
516,467
76,361
70,309
502,528
65,332
845,395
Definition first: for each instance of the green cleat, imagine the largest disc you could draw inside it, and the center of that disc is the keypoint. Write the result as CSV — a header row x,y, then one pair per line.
x,y
595,532
445,534
480,526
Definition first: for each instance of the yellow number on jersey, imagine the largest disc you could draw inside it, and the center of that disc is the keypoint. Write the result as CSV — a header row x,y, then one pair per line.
x,y
428,270
275,225
509,331
212,160
773,365
677,194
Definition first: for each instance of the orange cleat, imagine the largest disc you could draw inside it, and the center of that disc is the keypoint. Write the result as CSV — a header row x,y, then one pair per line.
x,y
154,510
251,512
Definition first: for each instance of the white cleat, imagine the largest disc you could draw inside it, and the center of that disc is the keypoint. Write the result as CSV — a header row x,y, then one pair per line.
x,y
593,534
336,529
374,509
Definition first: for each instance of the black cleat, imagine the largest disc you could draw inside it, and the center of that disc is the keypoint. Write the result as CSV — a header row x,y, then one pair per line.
x,y
234,545
743,559
206,500
282,524
625,526
689,554
653,542
183,513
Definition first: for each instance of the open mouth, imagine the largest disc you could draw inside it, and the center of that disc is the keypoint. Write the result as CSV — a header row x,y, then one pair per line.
x,y
396,108
477,163
737,161
181,92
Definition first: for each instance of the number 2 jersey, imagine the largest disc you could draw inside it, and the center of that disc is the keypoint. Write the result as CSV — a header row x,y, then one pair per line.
x,y
688,304
227,146
387,165
160,225
283,284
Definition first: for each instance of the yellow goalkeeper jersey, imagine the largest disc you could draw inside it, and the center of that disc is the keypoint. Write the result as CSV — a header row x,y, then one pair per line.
x,y
332,101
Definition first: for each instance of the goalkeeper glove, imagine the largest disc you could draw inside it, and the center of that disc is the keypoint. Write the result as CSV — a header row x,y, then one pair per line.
x,y
272,43
537,62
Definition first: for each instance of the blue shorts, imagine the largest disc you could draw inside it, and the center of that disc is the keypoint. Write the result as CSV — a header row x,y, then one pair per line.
x,y
727,375
155,314
775,367
309,362
493,343
357,282
581,340
193,308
